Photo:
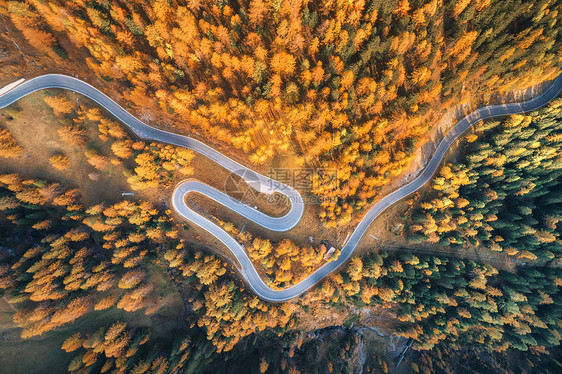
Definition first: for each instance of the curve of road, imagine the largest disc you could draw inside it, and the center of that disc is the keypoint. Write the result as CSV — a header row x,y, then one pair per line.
x,y
263,183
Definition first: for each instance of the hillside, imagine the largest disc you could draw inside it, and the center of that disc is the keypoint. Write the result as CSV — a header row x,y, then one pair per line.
x,y
345,101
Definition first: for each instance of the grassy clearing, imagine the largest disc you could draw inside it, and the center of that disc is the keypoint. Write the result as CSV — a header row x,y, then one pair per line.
x,y
34,126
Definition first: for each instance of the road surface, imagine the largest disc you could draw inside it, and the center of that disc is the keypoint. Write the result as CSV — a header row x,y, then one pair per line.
x,y
263,183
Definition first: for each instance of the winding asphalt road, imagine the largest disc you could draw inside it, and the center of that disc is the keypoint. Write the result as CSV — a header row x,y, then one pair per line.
x,y
263,183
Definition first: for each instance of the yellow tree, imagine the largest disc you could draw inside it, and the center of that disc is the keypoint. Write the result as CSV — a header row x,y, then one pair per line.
x,y
59,104
59,161
73,342
72,134
8,146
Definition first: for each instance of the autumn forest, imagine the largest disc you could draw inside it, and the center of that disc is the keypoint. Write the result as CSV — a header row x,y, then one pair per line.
x,y
100,274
